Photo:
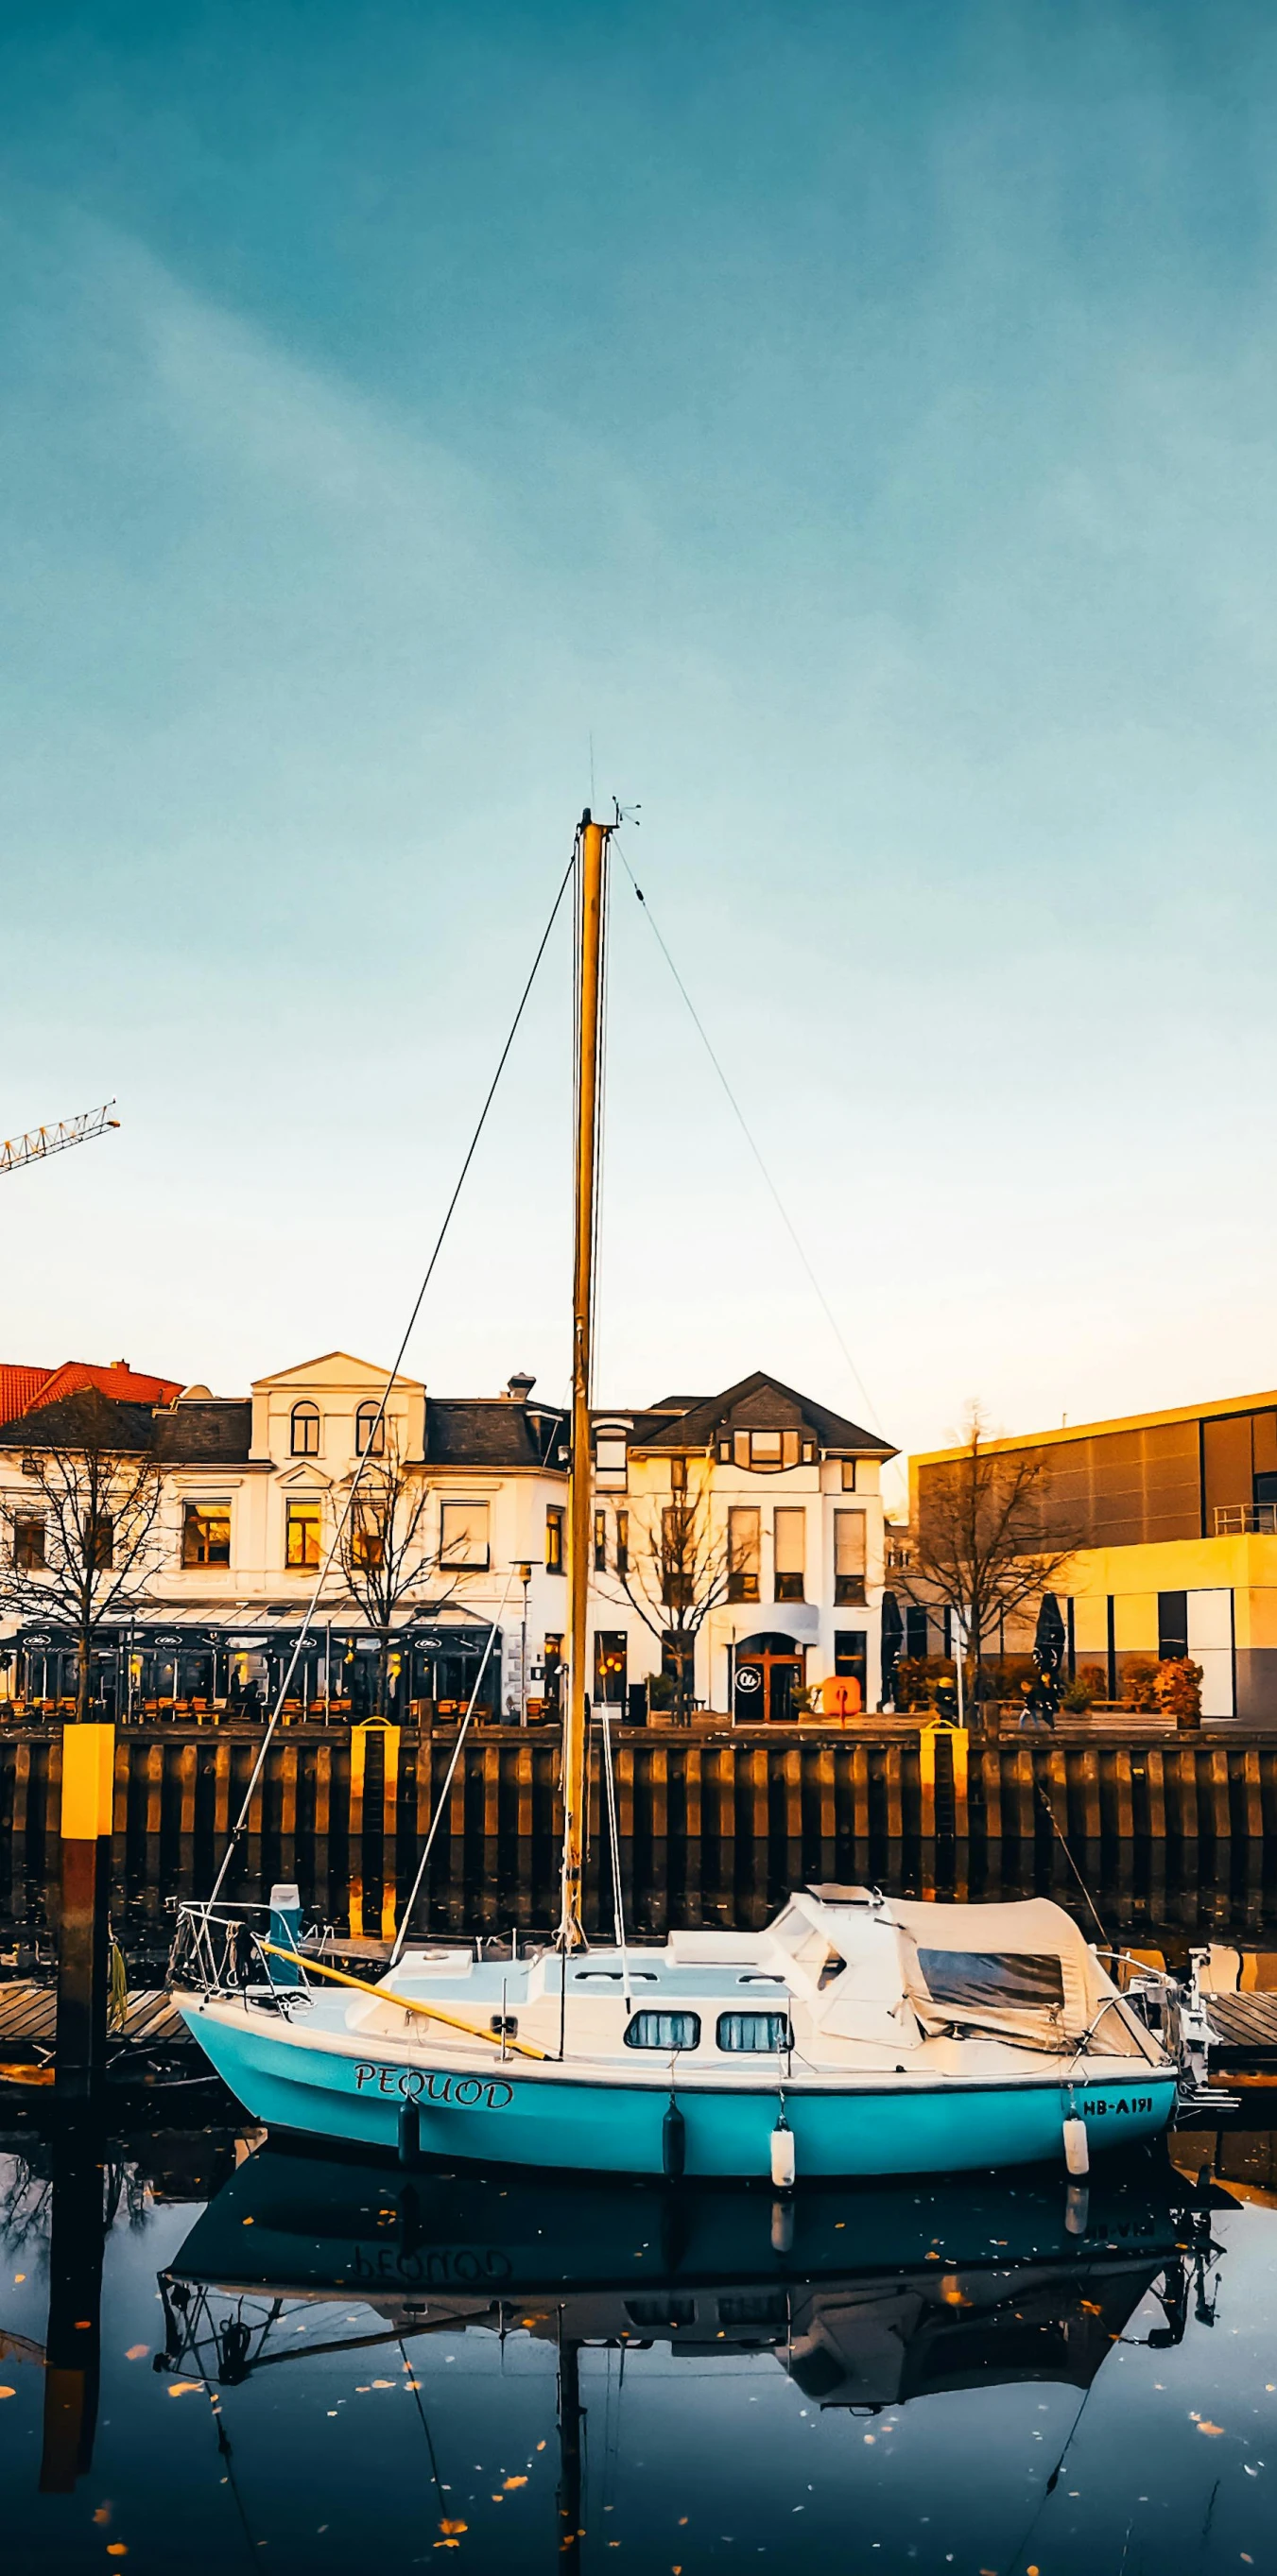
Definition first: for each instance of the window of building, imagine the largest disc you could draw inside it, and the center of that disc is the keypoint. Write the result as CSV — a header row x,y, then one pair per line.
x,y
622,1542
749,2034
101,1537
370,1430
553,1669
915,1628
791,1555
663,2030
302,1536
678,1556
849,1475
463,1537
1172,1626
28,1543
744,1553
851,1659
554,1520
610,1457
305,1431
849,1558
367,1537
610,1649
600,1542
206,1534
765,1451
678,1475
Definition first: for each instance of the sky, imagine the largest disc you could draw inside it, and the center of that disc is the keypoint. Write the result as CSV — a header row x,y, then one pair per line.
x,y
842,433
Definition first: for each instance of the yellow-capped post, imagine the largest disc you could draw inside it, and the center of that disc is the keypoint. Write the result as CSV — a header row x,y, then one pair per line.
x,y
88,1772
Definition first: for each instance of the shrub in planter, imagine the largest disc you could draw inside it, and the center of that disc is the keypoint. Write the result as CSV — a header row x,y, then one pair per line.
x,y
1089,1684
916,1679
1180,1687
1141,1685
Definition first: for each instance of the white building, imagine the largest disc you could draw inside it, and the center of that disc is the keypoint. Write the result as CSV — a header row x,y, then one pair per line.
x,y
762,1507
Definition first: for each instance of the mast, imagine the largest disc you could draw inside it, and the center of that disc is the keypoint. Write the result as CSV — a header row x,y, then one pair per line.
x,y
592,841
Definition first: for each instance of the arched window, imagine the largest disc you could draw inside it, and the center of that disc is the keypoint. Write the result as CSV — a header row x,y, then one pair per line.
x,y
370,1430
305,1431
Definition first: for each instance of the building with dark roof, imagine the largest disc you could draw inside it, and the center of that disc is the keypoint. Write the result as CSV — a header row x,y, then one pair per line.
x,y
780,1494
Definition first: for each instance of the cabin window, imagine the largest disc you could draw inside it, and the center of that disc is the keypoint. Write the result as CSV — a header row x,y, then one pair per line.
x,y
1003,1978
28,1543
663,2030
554,1539
370,1430
206,1534
305,1431
301,1537
791,1555
744,1554
753,2034
463,1537
849,1558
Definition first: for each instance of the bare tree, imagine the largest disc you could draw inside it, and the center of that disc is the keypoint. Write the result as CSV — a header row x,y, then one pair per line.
x,y
979,1546
78,1551
381,1554
674,1570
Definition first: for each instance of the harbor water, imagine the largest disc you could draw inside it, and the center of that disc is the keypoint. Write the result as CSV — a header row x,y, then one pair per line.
x,y
219,2353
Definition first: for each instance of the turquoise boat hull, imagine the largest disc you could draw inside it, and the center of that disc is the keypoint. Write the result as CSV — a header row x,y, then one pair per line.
x,y
562,2124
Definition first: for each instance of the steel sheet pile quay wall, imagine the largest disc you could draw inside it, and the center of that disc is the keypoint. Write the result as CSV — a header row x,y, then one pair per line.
x,y
713,1830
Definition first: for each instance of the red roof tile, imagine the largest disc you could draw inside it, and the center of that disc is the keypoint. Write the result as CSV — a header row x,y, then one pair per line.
x,y
23,1389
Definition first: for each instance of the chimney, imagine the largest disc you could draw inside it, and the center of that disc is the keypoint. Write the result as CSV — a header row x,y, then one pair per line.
x,y
520,1386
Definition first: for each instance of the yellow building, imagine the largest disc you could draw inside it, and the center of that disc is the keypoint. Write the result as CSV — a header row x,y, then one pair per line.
x,y
1177,1515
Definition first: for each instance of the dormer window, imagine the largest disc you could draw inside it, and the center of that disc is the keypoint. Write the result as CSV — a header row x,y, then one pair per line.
x,y
370,1431
766,1451
305,1431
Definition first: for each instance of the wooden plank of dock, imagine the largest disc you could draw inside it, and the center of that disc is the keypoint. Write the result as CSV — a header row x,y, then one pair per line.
x,y
28,2017
1244,2025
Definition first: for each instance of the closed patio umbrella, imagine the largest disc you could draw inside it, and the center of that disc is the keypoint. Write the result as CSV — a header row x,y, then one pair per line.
x,y
893,1633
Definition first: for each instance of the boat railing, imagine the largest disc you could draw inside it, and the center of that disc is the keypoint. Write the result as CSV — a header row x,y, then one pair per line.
x,y
216,1950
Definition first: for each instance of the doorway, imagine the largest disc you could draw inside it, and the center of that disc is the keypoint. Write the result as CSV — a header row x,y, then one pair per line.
x,y
767,1671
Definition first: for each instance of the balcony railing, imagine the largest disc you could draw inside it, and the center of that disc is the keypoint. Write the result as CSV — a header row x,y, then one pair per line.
x,y
1237,1520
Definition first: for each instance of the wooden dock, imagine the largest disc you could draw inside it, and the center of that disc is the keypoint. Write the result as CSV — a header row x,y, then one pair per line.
x,y
29,2020
1245,2027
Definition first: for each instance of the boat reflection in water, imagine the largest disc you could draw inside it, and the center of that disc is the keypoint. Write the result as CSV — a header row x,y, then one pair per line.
x,y
867,2296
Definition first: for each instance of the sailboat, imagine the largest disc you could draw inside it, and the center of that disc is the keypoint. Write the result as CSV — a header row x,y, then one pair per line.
x,y
855,2035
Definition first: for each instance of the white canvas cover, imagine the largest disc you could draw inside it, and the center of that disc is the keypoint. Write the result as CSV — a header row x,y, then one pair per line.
x,y
1022,1970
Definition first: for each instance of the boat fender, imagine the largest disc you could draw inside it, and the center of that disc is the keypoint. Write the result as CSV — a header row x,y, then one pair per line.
x,y
673,2143
1077,2201
784,2156
1077,2153
782,2227
409,2133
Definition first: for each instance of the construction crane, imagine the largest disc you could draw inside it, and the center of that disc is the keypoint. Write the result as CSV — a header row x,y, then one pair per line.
x,y
55,1140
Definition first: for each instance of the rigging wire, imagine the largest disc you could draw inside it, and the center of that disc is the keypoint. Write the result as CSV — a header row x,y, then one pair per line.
x,y
747,1132
424,1863
618,1901
237,1834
